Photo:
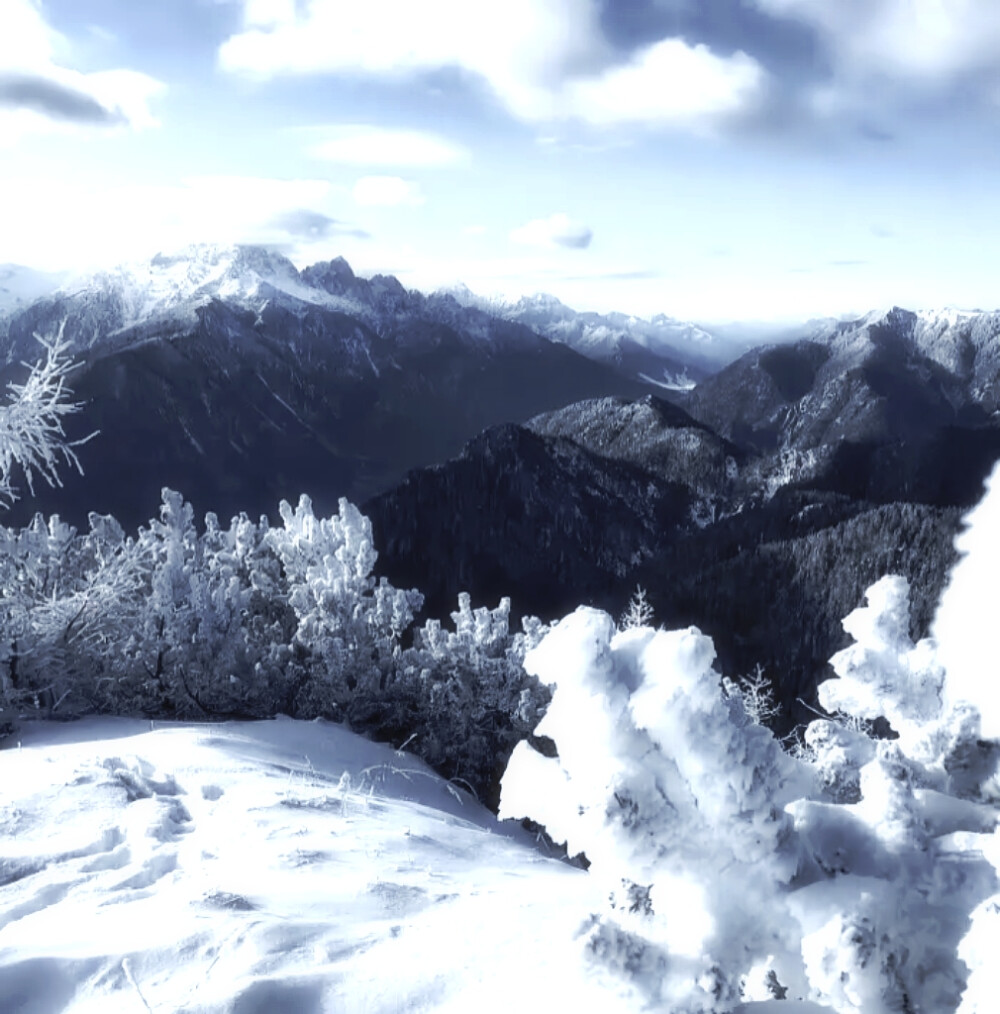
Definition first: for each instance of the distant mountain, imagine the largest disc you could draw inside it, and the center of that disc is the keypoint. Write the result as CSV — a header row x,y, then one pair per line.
x,y
231,376
672,354
797,476
553,524
894,405
495,460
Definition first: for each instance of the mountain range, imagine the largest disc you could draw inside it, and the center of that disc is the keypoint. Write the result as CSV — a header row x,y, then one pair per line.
x,y
799,475
523,449
228,373
669,353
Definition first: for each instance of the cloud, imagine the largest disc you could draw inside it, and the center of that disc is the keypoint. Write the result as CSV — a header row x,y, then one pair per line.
x,y
556,230
474,230
24,91
930,41
304,223
26,38
38,93
102,224
386,192
669,82
639,274
364,145
543,60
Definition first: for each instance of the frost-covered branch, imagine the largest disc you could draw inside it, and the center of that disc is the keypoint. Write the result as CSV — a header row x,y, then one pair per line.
x,y
639,612
31,423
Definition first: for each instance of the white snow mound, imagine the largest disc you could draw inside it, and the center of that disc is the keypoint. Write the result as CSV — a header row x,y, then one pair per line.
x,y
270,866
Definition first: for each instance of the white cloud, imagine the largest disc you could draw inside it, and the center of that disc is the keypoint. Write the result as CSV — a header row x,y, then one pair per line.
x,y
268,13
100,225
557,230
39,93
474,230
922,40
27,41
544,60
386,191
365,145
668,82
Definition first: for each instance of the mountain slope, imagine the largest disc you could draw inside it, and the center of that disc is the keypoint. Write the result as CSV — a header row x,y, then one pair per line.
x,y
538,518
653,434
236,379
895,405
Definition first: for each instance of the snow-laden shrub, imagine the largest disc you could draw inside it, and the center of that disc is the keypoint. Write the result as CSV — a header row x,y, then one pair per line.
x,y
888,881
67,602
349,624
676,798
250,621
964,627
214,630
462,696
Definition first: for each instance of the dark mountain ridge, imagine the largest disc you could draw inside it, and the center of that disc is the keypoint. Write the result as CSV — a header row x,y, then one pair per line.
x,y
757,506
799,475
243,382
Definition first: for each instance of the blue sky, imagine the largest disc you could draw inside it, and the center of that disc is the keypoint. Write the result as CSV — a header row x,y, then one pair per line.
x,y
708,159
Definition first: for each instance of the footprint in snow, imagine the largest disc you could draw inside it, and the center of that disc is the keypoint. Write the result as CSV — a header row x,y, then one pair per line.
x,y
137,777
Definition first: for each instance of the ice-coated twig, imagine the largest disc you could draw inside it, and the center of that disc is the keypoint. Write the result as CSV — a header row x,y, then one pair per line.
x,y
31,423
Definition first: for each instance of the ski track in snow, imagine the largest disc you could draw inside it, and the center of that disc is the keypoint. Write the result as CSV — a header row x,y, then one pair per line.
x,y
271,867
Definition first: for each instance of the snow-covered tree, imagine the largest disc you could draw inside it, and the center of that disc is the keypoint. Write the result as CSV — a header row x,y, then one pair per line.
x,y
847,878
965,630
676,798
464,694
638,613
350,625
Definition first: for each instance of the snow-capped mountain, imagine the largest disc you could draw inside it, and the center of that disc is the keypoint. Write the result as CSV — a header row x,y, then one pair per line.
x,y
153,299
962,342
131,301
228,374
669,353
125,304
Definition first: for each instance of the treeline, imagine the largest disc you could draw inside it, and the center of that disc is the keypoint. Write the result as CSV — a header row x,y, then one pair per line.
x,y
248,621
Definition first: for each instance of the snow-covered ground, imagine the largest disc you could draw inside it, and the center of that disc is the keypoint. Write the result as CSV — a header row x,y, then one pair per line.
x,y
276,866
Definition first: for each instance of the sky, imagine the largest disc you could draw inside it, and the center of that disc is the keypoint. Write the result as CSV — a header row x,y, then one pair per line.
x,y
713,160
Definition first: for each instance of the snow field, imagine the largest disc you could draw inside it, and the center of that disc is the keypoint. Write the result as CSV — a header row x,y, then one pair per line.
x,y
273,866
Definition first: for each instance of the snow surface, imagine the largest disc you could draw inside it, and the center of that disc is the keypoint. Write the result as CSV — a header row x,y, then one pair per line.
x,y
272,866
965,622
